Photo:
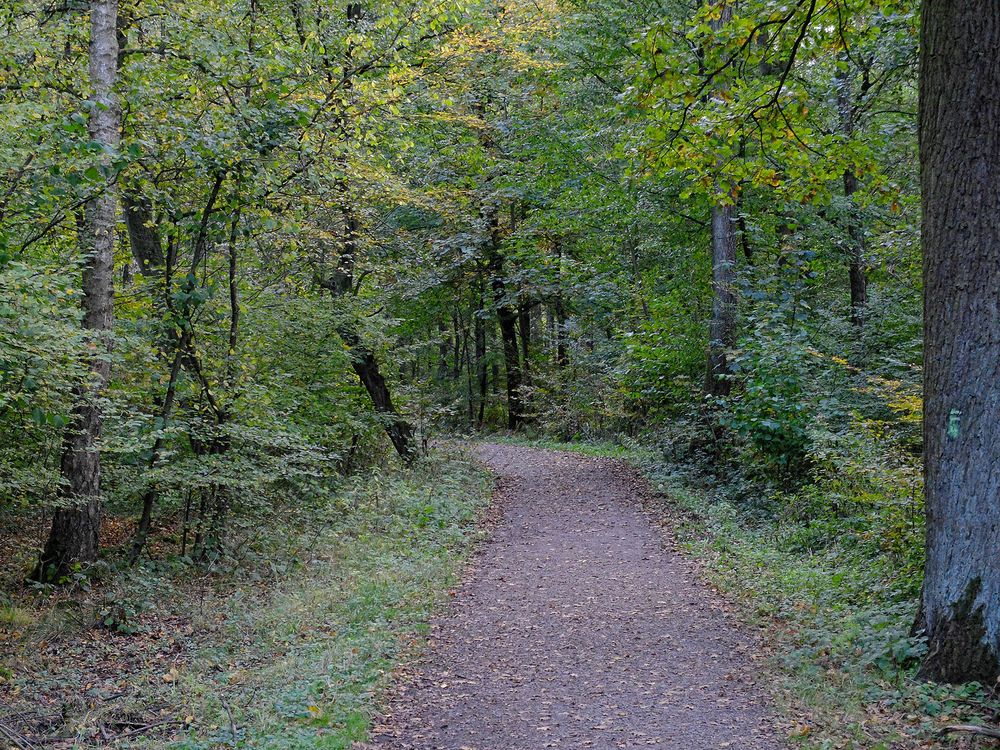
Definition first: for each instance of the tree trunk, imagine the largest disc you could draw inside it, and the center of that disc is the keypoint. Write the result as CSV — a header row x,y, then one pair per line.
x,y
960,179
341,284
559,310
479,333
458,342
74,536
507,318
855,231
144,237
524,330
366,367
444,348
856,268
722,328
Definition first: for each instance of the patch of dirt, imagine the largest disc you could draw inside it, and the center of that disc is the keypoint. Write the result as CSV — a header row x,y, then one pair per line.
x,y
580,628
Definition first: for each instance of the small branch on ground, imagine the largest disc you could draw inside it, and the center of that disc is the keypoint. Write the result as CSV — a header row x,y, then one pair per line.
x,y
973,729
232,722
17,738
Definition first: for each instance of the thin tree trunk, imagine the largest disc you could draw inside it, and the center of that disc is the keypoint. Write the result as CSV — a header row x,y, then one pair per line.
x,y
507,318
524,331
722,327
182,353
363,360
459,342
855,231
960,166
74,536
444,341
479,333
341,284
562,355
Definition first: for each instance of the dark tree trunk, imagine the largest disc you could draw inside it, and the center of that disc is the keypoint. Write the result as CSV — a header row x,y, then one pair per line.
x,y
855,231
341,284
507,319
856,263
960,178
722,328
524,330
366,367
75,532
559,310
144,237
444,342
479,333
363,360
459,342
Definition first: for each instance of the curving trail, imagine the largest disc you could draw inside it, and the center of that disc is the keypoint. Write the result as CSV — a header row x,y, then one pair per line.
x,y
579,628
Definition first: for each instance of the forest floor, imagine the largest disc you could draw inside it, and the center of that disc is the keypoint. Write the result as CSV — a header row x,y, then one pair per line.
x,y
603,610
285,646
581,627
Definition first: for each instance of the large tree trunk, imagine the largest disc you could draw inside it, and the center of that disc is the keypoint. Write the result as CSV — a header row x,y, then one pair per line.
x,y
366,367
722,328
960,178
75,532
524,309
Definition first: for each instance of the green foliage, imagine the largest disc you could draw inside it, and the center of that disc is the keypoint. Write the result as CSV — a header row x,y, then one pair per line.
x,y
772,407
41,366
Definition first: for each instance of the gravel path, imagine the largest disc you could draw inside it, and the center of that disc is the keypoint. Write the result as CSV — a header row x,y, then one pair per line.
x,y
579,628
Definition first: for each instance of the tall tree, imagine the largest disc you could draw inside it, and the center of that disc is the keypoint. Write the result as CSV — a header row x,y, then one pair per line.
x,y
76,524
722,327
855,231
960,178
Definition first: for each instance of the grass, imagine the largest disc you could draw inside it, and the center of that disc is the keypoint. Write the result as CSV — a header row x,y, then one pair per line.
x,y
288,651
835,615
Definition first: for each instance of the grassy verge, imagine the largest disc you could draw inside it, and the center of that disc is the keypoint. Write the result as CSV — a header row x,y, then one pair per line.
x,y
836,615
287,650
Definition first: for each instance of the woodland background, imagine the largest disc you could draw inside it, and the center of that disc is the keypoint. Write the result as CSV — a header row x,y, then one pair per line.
x,y
347,230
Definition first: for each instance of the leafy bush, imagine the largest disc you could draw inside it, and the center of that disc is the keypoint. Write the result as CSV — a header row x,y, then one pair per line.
x,y
770,406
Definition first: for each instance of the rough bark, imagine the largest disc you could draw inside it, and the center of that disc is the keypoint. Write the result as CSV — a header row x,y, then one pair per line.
x,y
366,367
363,360
444,349
75,532
960,178
143,234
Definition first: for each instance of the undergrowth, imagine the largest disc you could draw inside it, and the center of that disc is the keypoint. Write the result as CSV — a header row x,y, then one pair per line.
x,y
286,649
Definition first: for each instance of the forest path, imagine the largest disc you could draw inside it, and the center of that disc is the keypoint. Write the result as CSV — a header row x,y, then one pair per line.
x,y
579,628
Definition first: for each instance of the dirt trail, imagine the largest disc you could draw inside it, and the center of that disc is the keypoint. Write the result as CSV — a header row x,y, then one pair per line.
x,y
578,629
